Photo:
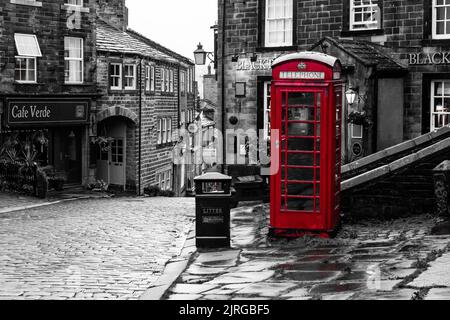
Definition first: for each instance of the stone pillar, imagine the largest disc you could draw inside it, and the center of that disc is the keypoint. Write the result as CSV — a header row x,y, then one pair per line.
x,y
442,188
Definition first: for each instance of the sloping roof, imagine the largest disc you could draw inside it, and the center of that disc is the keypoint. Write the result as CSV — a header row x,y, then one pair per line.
x,y
110,39
367,53
160,47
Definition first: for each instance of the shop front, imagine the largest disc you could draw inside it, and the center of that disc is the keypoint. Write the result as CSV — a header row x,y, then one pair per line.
x,y
57,129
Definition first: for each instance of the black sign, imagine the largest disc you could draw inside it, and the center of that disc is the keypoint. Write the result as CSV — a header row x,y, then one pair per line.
x,y
47,112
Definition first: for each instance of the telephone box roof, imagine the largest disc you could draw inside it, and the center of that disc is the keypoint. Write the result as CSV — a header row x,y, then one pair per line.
x,y
307,55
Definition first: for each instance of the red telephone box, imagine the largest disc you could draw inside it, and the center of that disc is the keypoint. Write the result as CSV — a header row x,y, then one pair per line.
x,y
306,112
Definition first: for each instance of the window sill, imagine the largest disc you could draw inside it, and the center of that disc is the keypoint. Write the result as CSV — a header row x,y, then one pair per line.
x,y
31,3
72,8
435,42
371,32
84,84
267,49
26,82
164,145
123,91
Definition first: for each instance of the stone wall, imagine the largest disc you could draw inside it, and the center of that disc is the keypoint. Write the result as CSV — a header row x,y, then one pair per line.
x,y
405,29
50,21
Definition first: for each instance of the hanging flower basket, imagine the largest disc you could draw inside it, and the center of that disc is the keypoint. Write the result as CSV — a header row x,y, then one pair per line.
x,y
360,119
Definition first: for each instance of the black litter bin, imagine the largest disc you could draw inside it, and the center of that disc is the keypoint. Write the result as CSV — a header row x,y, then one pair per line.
x,y
213,198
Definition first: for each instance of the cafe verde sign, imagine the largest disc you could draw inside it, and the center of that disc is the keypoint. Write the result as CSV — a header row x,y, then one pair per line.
x,y
46,112
435,58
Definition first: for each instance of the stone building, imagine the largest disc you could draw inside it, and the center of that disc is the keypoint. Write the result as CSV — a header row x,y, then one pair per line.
x,y
395,56
103,102
147,94
47,79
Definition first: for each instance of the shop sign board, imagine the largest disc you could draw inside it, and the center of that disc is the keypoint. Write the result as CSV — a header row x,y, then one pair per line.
x,y
46,112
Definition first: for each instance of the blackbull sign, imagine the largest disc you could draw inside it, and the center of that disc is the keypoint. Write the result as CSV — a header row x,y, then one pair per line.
x,y
264,64
435,58
46,112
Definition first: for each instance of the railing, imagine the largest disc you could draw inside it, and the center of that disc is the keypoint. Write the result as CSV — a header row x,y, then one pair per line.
x,y
16,177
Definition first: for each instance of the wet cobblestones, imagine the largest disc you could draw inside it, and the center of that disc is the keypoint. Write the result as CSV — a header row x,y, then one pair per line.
x,y
90,249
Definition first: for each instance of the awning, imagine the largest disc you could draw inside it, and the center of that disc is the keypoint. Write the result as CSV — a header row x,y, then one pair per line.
x,y
27,45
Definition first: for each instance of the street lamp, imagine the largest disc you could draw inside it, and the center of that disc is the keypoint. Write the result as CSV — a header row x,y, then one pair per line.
x,y
351,95
200,55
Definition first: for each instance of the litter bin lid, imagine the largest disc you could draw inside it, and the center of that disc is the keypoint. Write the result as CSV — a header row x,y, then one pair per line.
x,y
213,176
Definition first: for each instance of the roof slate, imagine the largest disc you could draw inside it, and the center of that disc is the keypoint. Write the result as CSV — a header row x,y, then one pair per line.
x,y
110,39
368,53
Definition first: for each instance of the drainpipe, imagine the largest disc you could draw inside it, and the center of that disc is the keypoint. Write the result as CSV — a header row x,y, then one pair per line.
x,y
140,127
224,148
178,126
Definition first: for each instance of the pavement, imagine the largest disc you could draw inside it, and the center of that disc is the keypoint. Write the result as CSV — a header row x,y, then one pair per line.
x,y
370,260
92,249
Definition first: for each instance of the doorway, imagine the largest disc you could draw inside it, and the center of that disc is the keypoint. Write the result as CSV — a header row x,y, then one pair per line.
x,y
112,159
67,155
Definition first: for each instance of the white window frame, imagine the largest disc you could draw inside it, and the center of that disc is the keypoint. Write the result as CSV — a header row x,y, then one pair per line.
x,y
119,76
81,59
152,78
267,110
370,7
127,77
169,129
34,59
147,78
287,20
444,114
183,82
159,130
172,79
163,79
167,80
435,21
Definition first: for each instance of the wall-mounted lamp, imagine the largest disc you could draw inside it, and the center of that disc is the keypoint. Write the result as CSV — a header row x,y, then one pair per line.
x,y
351,95
200,56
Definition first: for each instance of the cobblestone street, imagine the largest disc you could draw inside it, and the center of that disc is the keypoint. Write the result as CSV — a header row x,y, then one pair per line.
x,y
395,260
90,249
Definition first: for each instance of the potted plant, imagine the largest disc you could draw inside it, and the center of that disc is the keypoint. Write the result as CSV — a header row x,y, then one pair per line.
x,y
360,118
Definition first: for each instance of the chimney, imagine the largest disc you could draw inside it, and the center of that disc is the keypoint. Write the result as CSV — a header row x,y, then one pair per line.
x,y
114,12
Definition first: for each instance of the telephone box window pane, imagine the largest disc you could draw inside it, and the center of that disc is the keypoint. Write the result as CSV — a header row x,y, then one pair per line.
x,y
305,99
301,189
300,204
298,159
301,129
303,175
301,114
301,145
